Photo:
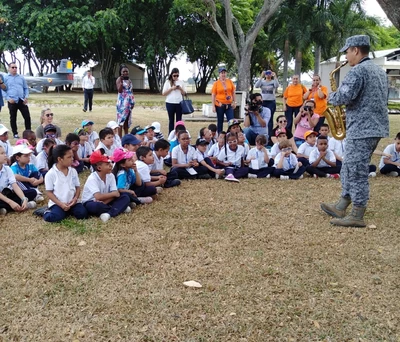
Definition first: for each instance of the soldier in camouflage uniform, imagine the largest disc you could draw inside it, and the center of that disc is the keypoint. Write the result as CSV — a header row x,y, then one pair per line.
x,y
364,91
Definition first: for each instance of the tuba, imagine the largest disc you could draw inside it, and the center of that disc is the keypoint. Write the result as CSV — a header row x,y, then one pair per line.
x,y
336,116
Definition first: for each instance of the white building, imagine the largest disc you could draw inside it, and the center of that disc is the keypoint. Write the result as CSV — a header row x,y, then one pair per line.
x,y
389,60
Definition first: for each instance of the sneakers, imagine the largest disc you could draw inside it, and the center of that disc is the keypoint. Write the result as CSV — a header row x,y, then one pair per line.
x,y
31,205
84,110
251,175
372,174
333,175
39,198
132,205
3,211
105,217
284,177
268,176
231,178
172,183
16,136
145,200
393,174
127,210
159,189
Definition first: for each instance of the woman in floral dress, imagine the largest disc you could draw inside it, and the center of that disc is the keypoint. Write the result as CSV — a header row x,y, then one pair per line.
x,y
125,102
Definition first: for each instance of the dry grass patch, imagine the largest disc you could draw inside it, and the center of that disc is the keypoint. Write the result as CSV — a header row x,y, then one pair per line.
x,y
271,266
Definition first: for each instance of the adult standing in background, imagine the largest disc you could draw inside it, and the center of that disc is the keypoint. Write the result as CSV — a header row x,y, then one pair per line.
x,y
319,94
125,101
223,98
88,82
364,91
174,90
16,94
2,87
293,99
268,83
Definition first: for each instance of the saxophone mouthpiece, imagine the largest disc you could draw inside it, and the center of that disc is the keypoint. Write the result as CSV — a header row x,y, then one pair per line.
x,y
344,63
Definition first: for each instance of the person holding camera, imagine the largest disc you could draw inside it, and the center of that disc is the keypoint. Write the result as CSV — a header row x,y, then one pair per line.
x,y
305,121
319,94
256,118
268,83
174,90
125,101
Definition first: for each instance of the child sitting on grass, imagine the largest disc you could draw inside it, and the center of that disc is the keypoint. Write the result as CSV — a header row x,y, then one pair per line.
x,y
62,186
5,143
11,196
153,184
41,159
100,193
84,148
322,161
87,125
216,148
258,159
72,140
106,141
304,151
286,164
390,166
201,150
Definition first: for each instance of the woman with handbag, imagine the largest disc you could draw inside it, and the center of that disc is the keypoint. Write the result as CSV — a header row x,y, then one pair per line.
x,y
174,90
223,99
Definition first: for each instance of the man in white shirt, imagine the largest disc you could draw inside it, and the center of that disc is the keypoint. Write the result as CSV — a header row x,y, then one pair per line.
x,y
87,85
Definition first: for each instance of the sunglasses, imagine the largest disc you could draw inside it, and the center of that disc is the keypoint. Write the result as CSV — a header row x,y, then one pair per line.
x,y
50,114
283,121
14,67
175,75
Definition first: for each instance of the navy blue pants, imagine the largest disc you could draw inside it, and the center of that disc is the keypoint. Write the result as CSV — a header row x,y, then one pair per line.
x,y
143,190
238,172
289,114
88,97
323,171
24,109
389,168
114,208
221,111
56,214
263,172
281,172
30,194
272,107
173,109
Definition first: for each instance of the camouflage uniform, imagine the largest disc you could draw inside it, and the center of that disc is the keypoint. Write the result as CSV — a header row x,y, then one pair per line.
x,y
364,91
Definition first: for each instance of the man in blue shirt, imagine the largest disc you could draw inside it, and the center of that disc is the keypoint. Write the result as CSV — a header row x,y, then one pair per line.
x,y
256,119
16,94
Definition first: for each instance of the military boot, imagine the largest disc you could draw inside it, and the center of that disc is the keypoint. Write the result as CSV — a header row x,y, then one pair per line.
x,y
354,219
337,209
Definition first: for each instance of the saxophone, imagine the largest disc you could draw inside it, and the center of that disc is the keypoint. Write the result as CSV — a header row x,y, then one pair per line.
x,y
336,116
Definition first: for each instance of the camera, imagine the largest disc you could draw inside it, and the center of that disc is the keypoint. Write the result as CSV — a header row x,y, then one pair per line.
x,y
253,107
125,77
307,108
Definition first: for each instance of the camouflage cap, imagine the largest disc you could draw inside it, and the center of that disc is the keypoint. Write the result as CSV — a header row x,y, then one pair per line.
x,y
360,40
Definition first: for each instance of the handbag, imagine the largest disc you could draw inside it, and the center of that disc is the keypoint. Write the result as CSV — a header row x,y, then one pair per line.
x,y
186,105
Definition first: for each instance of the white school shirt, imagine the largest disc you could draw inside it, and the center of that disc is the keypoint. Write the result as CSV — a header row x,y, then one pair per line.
x,y
288,163
41,161
234,157
63,186
92,138
246,149
181,157
7,148
305,149
214,150
39,146
95,185
314,155
390,149
172,135
158,163
117,141
259,155
175,96
7,177
275,150
152,144
200,155
109,151
144,171
85,150
337,146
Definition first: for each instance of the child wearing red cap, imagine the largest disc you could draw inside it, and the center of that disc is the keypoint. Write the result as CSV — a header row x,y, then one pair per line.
x,y
100,194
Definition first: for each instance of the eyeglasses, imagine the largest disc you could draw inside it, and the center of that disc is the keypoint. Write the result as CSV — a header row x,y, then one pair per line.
x,y
283,121
287,149
50,114
175,75
14,67
232,142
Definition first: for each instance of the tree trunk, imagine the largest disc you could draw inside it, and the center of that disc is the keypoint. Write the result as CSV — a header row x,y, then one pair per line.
x,y
244,75
297,63
317,59
285,64
392,10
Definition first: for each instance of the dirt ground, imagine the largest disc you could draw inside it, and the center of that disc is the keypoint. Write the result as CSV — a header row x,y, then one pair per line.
x,y
271,266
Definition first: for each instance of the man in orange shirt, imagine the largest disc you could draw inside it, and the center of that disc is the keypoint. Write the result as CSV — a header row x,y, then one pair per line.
x,y
293,100
319,94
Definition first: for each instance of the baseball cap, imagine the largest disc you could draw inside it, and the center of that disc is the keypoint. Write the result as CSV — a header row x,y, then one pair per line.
x,y
138,130
201,141
268,72
87,122
3,129
112,125
97,157
130,139
24,142
308,133
121,153
280,131
221,69
179,123
80,131
233,122
149,127
359,40
23,149
49,128
157,126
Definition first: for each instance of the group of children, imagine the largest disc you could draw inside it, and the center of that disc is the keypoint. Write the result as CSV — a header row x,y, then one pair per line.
x,y
130,171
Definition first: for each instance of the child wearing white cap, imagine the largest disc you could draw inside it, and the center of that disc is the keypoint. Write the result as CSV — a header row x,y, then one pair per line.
x,y
117,139
157,130
5,143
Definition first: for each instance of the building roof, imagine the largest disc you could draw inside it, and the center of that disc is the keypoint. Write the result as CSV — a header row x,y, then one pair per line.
x,y
389,54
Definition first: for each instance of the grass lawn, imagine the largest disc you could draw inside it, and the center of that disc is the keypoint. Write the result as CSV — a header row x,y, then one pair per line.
x,y
271,266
